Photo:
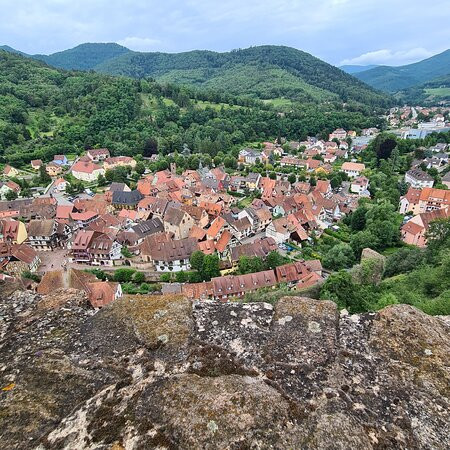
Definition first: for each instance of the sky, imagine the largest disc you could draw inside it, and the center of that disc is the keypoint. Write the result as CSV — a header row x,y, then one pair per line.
x,y
392,32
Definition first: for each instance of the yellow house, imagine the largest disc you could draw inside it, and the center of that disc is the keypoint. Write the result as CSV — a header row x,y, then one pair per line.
x,y
252,181
53,169
322,170
10,171
119,161
13,231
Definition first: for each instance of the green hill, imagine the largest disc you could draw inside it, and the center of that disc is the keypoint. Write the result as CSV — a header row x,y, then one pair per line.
x,y
394,79
84,56
352,69
264,72
46,111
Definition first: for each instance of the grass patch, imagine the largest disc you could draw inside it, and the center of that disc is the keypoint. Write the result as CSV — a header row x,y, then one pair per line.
x,y
439,92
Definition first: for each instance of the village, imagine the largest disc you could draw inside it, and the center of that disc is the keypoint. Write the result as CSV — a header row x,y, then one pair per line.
x,y
193,231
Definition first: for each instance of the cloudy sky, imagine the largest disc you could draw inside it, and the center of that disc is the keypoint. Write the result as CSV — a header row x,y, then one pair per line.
x,y
390,32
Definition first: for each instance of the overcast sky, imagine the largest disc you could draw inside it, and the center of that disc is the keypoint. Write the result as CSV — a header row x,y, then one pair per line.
x,y
390,32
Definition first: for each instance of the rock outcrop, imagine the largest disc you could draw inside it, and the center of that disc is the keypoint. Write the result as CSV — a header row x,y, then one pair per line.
x,y
161,372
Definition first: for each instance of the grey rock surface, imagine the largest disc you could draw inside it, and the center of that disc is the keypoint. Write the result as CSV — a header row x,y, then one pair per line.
x,y
161,372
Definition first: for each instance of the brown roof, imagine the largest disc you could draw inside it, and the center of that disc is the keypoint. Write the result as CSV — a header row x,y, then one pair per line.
x,y
173,250
21,252
292,272
41,227
197,233
353,166
174,216
85,167
101,293
260,248
207,247
98,151
150,242
215,227
231,285
197,291
223,241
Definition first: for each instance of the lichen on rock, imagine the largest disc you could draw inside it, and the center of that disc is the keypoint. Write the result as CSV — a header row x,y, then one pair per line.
x,y
162,372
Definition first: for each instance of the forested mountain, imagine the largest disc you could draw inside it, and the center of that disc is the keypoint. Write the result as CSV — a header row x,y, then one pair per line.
x,y
45,111
266,72
394,79
82,57
431,92
353,68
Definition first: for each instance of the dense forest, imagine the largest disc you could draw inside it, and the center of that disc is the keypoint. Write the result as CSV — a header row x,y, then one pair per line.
x,y
46,111
265,72
394,79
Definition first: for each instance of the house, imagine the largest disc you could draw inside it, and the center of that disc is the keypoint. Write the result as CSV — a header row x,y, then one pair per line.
x,y
171,255
417,178
147,228
10,171
414,231
9,186
446,180
119,161
102,293
60,184
232,286
36,164
199,215
178,222
338,134
294,273
252,181
360,186
260,248
103,250
98,154
218,226
87,171
95,248
431,199
46,235
53,169
61,160
280,230
330,158
155,206
18,258
126,199
12,231
83,219
353,169
121,187
63,213
241,228
249,156
197,291
323,186
292,161
410,201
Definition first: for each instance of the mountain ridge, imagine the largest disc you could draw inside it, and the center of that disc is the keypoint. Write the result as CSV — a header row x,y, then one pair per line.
x,y
356,68
264,71
393,79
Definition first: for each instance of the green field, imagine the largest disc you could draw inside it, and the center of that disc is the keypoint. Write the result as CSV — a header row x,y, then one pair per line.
x,y
439,92
279,102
